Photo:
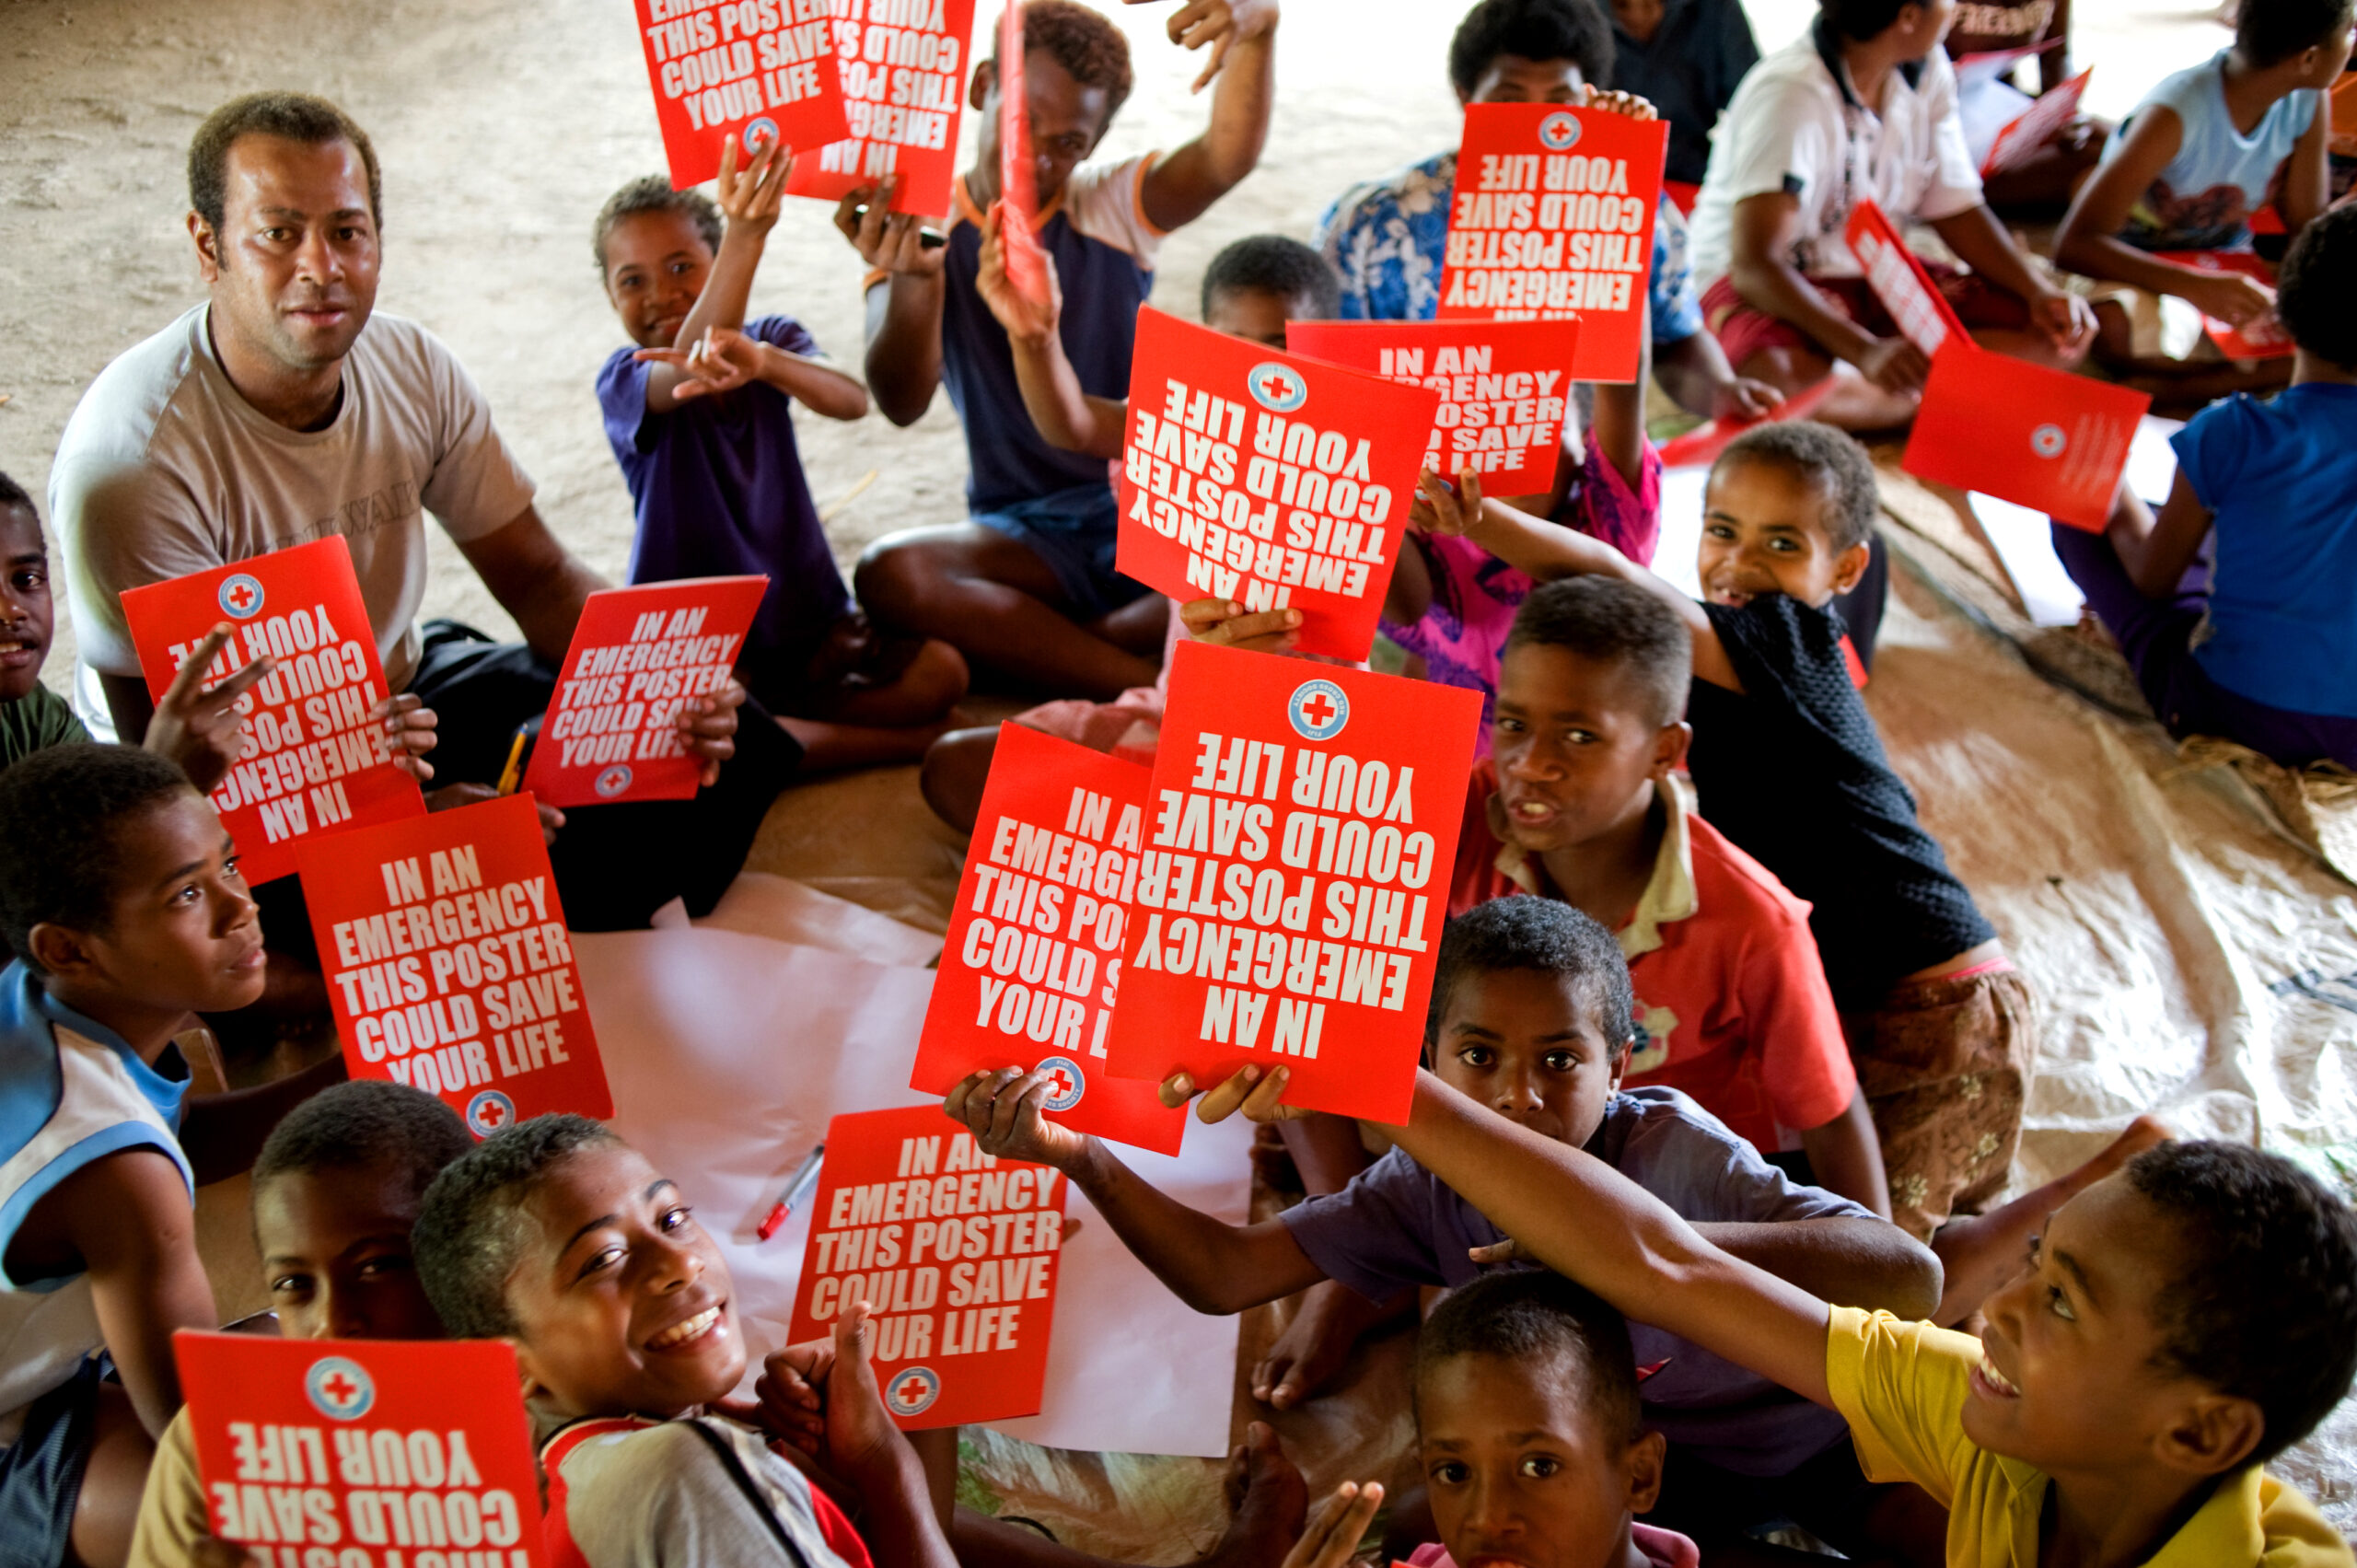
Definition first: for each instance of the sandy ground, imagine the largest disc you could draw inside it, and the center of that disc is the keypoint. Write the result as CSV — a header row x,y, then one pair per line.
x,y
501,129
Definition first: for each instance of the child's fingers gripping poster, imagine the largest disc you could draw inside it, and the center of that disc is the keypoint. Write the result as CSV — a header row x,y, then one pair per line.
x,y
313,761
449,966
363,1452
1294,877
1551,217
954,1251
639,656
1267,479
763,71
903,66
1030,968
1504,388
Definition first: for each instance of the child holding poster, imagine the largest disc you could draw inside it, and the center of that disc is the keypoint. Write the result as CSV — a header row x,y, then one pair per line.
x,y
700,419
335,1190
1026,587
1531,1011
2207,148
2259,646
1861,107
121,898
559,1237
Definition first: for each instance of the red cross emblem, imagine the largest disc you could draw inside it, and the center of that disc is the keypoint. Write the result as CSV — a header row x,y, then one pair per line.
x,y
491,1115
911,1391
339,1388
1318,711
342,1391
1059,1083
1276,387
241,597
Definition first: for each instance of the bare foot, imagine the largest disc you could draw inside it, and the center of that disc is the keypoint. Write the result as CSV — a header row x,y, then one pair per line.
x,y
1267,1504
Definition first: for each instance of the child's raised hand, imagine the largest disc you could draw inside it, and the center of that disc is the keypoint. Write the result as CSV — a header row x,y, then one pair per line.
x,y
1228,625
1024,318
202,730
1001,1109
1259,1094
892,241
1335,1530
751,199
821,1398
721,361
1221,24
1445,512
1629,104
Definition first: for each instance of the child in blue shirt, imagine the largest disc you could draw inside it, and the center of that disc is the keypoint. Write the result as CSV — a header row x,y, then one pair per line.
x,y
122,896
701,418
2261,646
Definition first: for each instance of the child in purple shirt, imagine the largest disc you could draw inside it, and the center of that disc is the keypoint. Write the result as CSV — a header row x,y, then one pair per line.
x,y
700,416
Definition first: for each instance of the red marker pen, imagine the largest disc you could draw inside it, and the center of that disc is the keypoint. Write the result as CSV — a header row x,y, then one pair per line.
x,y
797,1186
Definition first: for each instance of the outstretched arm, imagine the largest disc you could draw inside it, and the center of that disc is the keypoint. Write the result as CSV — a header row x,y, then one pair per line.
x,y
751,202
1209,1264
1242,37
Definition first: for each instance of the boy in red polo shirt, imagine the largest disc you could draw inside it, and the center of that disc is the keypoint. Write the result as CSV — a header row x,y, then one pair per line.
x,y
1579,801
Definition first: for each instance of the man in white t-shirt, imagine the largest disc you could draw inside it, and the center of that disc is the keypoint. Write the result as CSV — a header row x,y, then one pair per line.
x,y
284,410
1861,107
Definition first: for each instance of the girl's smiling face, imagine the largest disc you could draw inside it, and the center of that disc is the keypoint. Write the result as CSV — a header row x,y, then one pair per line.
x,y
1764,532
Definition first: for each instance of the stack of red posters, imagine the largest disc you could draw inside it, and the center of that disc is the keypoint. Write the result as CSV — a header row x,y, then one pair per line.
x,y
1552,217
364,1453
638,656
1504,388
448,965
314,762
903,64
763,71
1033,958
1296,877
1267,479
955,1252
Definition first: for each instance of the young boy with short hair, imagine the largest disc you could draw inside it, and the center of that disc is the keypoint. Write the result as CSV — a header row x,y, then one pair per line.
x,y
1025,585
335,1190
700,419
1861,105
2181,1322
1580,801
32,715
122,897
2262,647
1530,1011
559,1237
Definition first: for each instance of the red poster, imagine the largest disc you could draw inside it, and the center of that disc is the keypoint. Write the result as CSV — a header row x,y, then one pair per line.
x,y
2343,102
1267,479
313,763
2263,339
2045,439
903,65
1899,281
1019,174
1552,217
954,1250
1503,387
1029,967
356,1453
1296,877
761,70
449,967
638,655
2035,126
1706,441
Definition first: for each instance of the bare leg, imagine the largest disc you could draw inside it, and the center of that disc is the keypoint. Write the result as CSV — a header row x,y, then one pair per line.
x,y
955,769
1981,1252
839,748
1855,405
1141,626
921,698
111,1482
999,603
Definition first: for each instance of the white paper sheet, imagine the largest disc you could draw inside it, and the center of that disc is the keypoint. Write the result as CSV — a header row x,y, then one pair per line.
x,y
728,1052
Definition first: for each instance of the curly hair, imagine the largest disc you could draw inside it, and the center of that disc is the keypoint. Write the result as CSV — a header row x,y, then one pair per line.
x,y
1612,622
367,1124
297,117
60,813
471,1231
2267,32
1084,42
653,193
1534,30
1827,457
1542,935
1541,1322
2312,291
1272,263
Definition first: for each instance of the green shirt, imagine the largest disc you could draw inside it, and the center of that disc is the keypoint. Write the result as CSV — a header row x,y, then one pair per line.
x,y
36,722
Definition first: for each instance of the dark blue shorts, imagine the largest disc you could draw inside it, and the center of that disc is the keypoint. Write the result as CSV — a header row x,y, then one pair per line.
x,y
41,1473
1073,531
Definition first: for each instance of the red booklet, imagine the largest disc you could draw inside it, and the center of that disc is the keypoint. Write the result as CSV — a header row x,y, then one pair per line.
x,y
2035,126
2263,339
953,1250
638,655
1268,479
1899,281
1551,217
1504,388
904,67
314,762
364,1453
1296,877
1033,958
448,965
763,71
2045,439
